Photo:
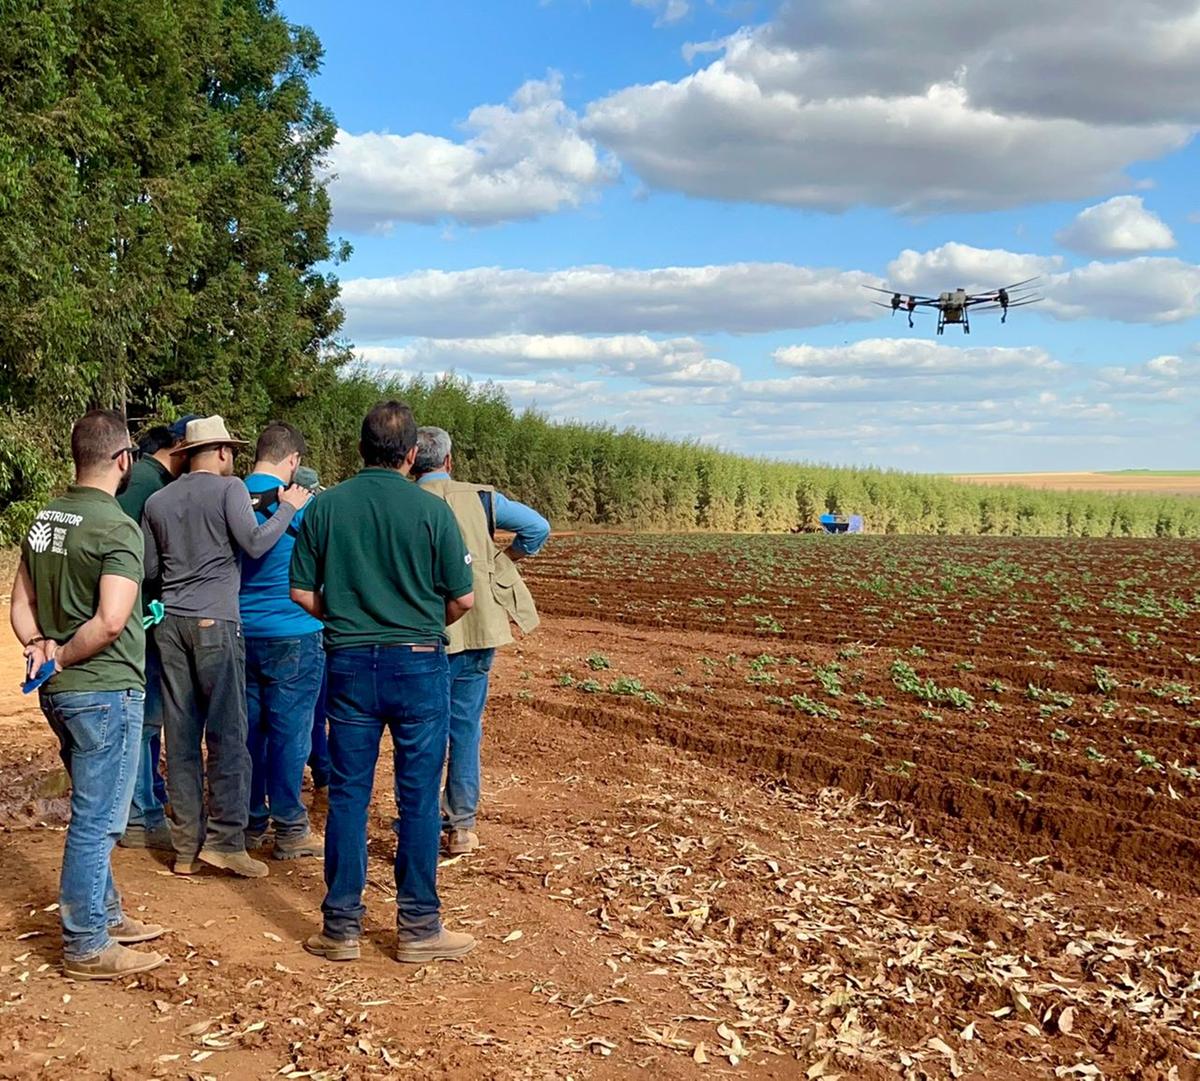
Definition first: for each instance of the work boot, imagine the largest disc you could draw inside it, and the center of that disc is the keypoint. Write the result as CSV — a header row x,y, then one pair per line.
x,y
332,949
444,946
238,862
185,865
460,842
307,844
255,839
114,962
130,931
157,837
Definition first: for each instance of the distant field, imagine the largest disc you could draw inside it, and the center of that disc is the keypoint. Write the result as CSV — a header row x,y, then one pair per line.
x,y
1175,482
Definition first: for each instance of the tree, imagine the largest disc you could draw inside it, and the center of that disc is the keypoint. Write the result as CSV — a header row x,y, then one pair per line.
x,y
162,215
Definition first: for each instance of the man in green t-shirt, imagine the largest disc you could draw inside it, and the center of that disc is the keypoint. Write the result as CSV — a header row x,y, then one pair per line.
x,y
383,565
155,469
75,606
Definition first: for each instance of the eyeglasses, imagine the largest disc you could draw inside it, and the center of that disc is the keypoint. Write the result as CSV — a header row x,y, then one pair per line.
x,y
134,453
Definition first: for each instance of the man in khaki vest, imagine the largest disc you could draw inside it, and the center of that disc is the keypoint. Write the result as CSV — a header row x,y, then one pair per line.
x,y
500,596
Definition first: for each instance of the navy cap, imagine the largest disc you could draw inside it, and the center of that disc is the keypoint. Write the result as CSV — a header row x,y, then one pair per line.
x,y
178,428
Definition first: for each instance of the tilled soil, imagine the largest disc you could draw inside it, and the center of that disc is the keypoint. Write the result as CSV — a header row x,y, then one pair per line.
x,y
684,878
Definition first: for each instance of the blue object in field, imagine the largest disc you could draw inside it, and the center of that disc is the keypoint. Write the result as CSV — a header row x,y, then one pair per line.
x,y
842,523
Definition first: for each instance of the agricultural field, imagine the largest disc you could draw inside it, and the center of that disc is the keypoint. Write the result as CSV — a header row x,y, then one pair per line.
x,y
1145,481
1037,696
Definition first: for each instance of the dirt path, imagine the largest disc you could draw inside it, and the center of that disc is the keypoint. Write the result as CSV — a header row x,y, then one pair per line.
x,y
638,908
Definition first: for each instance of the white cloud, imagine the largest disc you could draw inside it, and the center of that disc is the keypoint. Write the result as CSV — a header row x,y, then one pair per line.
x,y
1148,289
976,269
1165,378
524,159
1120,226
667,11
735,298
906,370
838,104
671,361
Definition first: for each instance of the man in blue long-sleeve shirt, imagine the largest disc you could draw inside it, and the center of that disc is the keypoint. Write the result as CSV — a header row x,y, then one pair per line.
x,y
500,596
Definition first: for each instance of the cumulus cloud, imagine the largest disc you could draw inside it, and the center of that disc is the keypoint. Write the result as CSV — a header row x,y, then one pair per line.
x,y
736,298
1120,226
1167,378
669,361
1148,289
975,269
905,370
833,105
522,160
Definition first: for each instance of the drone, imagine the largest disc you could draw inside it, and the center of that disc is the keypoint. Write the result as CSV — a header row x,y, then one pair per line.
x,y
954,307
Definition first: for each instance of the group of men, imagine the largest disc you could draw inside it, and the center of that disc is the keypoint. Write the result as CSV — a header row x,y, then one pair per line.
x,y
238,618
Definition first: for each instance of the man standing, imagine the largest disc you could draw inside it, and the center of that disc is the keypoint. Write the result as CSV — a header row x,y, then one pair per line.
x,y
75,603
384,566
285,661
500,596
154,470
191,527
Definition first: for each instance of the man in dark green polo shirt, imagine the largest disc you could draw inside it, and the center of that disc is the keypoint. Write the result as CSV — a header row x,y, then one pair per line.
x,y
75,604
383,565
157,467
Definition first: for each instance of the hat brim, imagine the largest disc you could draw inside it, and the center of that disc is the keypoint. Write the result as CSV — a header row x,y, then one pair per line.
x,y
188,447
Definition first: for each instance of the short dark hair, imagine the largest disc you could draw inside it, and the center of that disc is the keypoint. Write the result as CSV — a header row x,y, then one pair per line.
x,y
278,440
95,437
389,432
157,438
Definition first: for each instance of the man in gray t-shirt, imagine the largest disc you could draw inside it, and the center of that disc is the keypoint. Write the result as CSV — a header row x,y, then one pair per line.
x,y
191,529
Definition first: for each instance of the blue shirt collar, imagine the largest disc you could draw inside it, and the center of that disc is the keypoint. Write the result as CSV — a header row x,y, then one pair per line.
x,y
437,474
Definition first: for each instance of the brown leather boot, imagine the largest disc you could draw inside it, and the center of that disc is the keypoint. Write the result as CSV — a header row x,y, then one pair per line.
x,y
332,949
130,931
444,946
238,862
112,963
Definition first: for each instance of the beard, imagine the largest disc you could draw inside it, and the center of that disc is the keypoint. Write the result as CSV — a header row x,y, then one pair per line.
x,y
123,483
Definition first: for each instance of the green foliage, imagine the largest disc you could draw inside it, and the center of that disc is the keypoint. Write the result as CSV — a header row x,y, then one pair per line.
x,y
161,221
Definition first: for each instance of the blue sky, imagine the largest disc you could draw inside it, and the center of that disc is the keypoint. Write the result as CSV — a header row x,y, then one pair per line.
x,y
661,213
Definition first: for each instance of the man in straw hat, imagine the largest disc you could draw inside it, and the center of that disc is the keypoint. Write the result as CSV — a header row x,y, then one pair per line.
x,y
191,527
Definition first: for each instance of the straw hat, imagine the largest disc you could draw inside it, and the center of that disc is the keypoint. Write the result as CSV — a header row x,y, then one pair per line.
x,y
207,432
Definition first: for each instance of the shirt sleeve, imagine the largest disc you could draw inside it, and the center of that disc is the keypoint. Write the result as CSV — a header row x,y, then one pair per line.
x,y
305,570
149,549
253,539
452,575
531,529
123,552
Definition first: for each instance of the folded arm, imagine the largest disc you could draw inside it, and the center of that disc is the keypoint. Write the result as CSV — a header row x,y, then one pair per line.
x,y
531,529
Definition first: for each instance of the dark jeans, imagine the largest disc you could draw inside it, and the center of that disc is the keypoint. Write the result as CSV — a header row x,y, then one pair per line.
x,y
99,733
407,692
318,759
149,792
283,677
204,702
469,672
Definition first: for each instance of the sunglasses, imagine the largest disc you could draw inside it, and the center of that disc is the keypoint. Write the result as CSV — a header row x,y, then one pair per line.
x,y
134,453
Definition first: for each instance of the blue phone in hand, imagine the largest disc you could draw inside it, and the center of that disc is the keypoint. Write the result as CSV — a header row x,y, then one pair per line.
x,y
35,680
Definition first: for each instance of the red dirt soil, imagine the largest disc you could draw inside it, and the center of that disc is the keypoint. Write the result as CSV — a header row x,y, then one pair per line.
x,y
705,881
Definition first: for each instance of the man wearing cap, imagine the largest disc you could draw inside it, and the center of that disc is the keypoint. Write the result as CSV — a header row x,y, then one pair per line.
x,y
500,596
153,471
191,528
285,661
384,566
75,611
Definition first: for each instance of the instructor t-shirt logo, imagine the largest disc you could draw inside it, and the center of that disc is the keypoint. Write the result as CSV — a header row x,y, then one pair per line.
x,y
39,536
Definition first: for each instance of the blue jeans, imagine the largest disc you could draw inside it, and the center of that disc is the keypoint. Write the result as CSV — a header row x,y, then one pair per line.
x,y
318,759
283,677
99,736
149,791
407,692
469,672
